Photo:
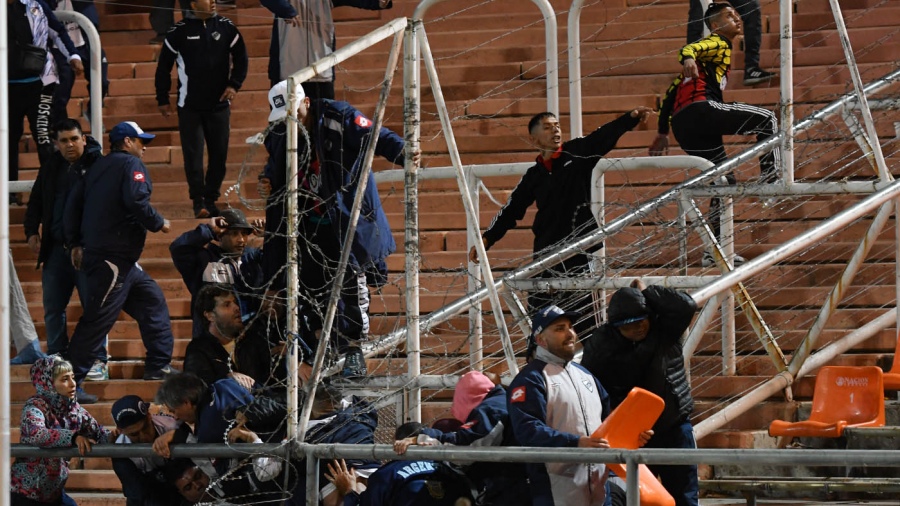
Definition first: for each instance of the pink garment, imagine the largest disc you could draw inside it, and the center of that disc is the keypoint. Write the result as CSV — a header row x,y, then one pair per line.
x,y
472,388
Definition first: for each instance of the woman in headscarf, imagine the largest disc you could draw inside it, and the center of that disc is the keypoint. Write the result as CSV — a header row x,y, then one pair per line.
x,y
52,419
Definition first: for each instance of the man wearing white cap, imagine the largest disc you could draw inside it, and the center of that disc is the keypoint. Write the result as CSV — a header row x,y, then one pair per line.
x,y
330,168
108,214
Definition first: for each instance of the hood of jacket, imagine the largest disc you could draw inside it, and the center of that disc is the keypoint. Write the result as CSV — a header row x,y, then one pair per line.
x,y
627,303
92,152
42,379
471,389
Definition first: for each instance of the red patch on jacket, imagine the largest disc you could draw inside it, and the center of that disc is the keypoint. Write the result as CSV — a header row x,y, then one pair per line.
x,y
518,395
362,121
469,425
139,176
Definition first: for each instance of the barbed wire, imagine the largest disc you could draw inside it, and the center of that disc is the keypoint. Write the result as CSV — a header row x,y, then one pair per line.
x,y
789,296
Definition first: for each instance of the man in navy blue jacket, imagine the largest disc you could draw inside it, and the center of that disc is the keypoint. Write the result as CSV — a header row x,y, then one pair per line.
x,y
108,214
329,177
481,407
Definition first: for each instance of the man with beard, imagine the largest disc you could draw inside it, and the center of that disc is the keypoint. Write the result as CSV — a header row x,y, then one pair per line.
x,y
224,349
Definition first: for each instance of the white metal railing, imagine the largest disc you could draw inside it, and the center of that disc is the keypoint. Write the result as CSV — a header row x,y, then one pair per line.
x,y
315,453
297,426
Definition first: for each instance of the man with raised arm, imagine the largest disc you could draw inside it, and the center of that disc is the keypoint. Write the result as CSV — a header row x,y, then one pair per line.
x,y
700,117
559,184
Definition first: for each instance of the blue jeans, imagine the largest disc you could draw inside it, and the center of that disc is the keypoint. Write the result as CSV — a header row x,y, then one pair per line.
x,y
680,481
59,279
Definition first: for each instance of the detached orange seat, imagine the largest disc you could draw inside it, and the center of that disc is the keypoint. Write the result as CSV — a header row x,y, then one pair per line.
x,y
844,397
623,427
892,377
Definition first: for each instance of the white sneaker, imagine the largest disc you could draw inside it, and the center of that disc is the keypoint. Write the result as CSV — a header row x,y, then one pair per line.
x,y
709,261
99,372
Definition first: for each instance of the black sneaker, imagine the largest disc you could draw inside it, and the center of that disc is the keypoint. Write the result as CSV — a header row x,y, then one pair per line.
x,y
354,364
212,208
84,398
160,374
756,75
200,211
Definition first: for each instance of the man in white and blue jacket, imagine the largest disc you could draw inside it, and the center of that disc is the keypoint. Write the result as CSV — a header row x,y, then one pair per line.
x,y
556,403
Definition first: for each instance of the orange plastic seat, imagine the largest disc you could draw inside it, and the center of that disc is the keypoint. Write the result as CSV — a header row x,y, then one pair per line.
x,y
623,427
844,397
892,377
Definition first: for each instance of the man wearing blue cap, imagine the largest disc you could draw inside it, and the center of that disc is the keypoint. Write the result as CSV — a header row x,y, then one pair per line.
x,y
641,346
554,402
108,214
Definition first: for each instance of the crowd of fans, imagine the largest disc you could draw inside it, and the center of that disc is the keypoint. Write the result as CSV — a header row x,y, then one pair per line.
x,y
89,214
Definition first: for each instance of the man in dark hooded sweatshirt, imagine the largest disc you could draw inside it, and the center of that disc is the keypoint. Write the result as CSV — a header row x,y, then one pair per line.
x,y
641,346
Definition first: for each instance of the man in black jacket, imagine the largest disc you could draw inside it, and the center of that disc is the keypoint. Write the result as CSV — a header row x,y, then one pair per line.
x,y
217,252
225,349
560,184
641,347
44,227
212,64
107,217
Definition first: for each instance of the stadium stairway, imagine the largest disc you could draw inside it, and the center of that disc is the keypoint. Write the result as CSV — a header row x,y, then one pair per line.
x,y
489,59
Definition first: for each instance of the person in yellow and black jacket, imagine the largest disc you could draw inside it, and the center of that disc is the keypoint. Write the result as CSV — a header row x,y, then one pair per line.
x,y
698,114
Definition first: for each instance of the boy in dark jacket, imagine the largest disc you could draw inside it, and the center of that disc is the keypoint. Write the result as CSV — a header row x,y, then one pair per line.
x,y
559,184
641,346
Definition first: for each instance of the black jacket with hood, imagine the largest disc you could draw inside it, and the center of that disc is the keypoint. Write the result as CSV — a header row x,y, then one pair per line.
x,y
44,192
655,363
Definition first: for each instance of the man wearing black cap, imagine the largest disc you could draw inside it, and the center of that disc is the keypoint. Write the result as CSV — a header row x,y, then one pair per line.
x,y
554,402
217,252
108,214
641,347
143,481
